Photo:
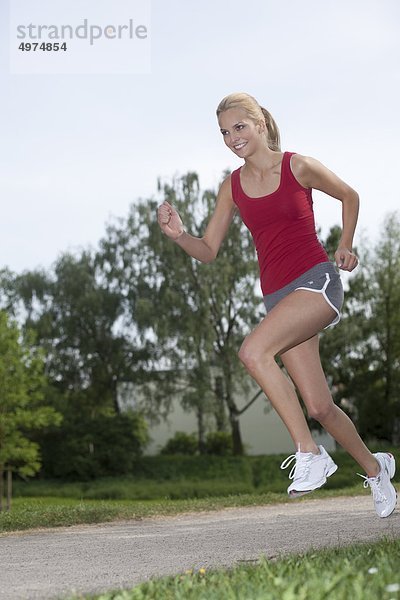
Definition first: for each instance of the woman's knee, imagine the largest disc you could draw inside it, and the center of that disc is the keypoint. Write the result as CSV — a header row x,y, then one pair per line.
x,y
252,356
321,412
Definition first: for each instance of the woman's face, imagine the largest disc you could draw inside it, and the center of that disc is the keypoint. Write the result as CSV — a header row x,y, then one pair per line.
x,y
240,133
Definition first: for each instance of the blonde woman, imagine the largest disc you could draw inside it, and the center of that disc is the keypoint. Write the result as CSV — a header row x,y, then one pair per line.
x,y
302,289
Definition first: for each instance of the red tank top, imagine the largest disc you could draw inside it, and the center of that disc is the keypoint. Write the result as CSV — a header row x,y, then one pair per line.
x,y
283,228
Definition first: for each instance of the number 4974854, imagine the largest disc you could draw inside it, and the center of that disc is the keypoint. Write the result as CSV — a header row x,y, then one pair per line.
x,y
44,46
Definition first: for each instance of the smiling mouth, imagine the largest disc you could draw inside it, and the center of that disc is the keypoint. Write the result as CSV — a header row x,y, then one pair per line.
x,y
240,146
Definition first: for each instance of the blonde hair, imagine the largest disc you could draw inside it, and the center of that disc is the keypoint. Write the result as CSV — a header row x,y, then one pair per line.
x,y
256,113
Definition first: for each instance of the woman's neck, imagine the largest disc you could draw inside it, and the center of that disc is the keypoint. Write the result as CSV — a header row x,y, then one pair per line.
x,y
262,161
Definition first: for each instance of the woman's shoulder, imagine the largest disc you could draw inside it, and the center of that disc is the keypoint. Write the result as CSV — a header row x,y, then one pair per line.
x,y
301,166
230,180
225,189
299,161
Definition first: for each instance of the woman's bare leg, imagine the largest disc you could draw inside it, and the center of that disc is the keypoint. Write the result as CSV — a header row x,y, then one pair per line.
x,y
299,317
295,319
304,367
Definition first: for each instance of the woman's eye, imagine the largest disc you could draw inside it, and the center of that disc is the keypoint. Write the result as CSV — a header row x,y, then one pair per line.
x,y
239,126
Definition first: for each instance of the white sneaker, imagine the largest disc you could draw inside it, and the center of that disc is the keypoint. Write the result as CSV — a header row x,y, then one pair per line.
x,y
383,491
309,472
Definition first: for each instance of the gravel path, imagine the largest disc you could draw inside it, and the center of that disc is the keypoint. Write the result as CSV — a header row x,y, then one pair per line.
x,y
93,558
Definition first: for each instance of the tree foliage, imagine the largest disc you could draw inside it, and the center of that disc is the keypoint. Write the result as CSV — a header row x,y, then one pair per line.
x,y
22,408
198,313
139,311
77,318
362,355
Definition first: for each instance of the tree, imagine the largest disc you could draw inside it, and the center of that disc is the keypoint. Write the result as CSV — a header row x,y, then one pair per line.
x,y
6,289
78,318
196,315
22,384
362,355
382,287
86,448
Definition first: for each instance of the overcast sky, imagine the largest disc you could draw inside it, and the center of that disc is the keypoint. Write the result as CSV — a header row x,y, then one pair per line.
x,y
77,149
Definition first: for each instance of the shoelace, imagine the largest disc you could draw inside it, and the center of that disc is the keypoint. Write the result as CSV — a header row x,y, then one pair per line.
x,y
301,466
374,484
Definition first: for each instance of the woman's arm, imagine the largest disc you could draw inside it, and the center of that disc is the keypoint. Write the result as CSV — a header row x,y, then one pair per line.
x,y
204,249
312,174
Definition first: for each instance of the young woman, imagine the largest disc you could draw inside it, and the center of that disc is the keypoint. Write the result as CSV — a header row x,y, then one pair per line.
x,y
302,290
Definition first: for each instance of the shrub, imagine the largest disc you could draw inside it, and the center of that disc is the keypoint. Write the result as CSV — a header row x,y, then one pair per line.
x,y
193,468
219,443
90,448
181,443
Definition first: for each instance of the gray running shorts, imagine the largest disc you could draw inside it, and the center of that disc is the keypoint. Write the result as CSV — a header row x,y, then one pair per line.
x,y
323,279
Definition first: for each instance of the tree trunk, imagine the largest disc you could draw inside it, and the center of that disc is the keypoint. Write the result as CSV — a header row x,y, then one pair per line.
x,y
237,443
1,486
201,430
238,449
9,488
235,426
219,412
114,391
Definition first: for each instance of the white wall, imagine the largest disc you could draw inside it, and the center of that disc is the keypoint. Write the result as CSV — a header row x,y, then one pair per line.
x,y
262,430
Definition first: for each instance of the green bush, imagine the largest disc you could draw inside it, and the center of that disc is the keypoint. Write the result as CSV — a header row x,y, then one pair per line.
x,y
90,448
181,443
131,489
195,468
219,443
178,476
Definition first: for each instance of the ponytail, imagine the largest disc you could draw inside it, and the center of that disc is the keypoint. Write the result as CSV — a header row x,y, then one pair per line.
x,y
272,133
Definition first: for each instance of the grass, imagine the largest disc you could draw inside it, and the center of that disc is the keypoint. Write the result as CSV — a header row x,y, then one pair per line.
x,y
184,477
360,572
165,486
31,513
123,488
357,572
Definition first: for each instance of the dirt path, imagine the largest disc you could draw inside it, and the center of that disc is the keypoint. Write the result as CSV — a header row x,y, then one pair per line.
x,y
95,558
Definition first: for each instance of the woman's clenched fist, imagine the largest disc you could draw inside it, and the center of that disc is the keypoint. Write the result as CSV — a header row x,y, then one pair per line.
x,y
170,221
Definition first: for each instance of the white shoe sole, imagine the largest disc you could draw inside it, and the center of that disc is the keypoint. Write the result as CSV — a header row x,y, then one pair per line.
x,y
395,504
392,470
297,493
392,465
